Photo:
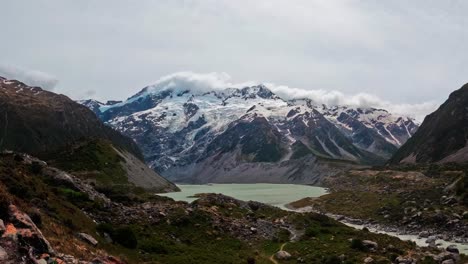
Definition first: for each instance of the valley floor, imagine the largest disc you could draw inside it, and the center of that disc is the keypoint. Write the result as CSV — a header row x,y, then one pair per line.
x,y
425,201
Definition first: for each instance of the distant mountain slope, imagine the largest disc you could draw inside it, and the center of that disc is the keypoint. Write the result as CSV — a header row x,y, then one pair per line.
x,y
442,136
185,132
50,125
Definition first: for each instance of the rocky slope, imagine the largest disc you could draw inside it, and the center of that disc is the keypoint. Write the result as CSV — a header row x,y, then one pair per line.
x,y
52,126
442,136
199,135
50,215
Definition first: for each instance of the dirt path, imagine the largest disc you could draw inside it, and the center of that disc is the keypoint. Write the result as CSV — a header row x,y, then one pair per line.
x,y
272,257
294,236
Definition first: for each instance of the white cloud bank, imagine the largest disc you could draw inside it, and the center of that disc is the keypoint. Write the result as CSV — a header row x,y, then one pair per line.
x,y
200,83
29,77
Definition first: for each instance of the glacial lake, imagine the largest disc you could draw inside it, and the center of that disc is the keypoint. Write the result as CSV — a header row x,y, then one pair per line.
x,y
279,195
273,194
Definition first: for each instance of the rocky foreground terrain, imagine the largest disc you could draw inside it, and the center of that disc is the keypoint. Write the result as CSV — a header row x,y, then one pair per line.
x,y
51,216
425,200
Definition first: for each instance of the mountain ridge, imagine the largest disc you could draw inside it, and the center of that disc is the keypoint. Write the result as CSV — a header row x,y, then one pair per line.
x,y
175,126
54,127
442,136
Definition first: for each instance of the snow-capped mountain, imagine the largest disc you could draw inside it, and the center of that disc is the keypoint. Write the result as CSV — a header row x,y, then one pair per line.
x,y
250,134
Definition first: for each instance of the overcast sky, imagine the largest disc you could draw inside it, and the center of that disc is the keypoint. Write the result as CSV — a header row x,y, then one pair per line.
x,y
400,52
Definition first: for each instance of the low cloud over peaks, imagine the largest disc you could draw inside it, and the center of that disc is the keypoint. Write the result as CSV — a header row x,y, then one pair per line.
x,y
29,77
200,83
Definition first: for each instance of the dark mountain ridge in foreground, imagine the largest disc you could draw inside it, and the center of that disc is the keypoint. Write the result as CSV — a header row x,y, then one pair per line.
x,y
63,132
37,121
443,135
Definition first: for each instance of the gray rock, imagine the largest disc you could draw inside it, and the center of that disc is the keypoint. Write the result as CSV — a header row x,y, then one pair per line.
x,y
444,256
465,215
457,216
431,239
67,258
3,254
2,227
88,238
370,244
448,261
282,255
404,260
31,232
107,238
424,234
453,249
368,260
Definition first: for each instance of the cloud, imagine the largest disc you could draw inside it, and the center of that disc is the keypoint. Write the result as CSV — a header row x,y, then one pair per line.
x,y
201,83
29,77
364,100
349,46
197,83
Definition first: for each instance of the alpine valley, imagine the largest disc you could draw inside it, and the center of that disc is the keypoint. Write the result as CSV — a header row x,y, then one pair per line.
x,y
201,134
74,191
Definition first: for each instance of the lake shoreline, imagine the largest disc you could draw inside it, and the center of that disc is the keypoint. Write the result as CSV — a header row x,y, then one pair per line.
x,y
439,239
404,234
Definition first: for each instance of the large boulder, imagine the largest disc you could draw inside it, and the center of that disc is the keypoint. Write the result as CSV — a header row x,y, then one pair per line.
x,y
404,260
22,227
452,249
88,238
370,244
282,255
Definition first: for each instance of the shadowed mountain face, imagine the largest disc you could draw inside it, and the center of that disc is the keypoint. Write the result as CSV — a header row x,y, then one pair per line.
x,y
198,136
54,127
442,136
37,121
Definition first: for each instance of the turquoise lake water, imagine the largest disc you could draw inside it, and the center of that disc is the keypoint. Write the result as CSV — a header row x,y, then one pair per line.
x,y
273,194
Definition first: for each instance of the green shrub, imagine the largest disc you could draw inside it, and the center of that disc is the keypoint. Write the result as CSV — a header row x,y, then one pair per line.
x,y
428,260
5,202
331,260
251,260
358,245
282,236
35,167
73,196
69,223
122,235
35,216
311,232
125,237
155,247
105,228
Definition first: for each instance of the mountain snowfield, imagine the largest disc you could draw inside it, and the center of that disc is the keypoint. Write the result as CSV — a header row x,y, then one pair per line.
x,y
193,133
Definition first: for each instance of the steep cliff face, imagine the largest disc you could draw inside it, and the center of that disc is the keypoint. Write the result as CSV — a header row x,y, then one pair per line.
x,y
442,136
